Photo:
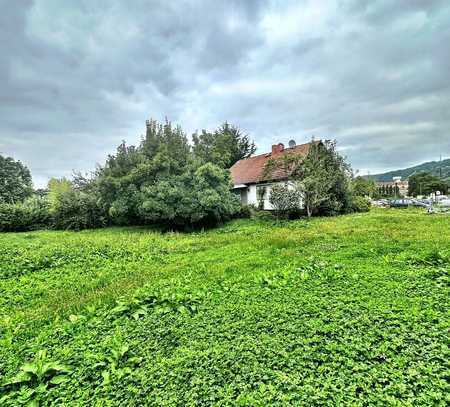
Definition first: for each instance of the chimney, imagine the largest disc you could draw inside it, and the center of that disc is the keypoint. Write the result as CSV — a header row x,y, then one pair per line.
x,y
277,148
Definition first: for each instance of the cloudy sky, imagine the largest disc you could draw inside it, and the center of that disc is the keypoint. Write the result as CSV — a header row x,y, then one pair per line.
x,y
77,77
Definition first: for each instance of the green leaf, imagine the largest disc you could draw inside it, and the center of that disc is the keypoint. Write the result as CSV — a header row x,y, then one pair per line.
x,y
21,377
42,388
106,378
120,308
54,366
140,312
59,379
29,368
134,360
124,349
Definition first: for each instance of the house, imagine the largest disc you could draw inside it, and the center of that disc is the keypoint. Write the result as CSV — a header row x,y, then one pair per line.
x,y
248,177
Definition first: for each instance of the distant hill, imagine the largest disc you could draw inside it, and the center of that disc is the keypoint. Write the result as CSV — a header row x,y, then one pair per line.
x,y
432,166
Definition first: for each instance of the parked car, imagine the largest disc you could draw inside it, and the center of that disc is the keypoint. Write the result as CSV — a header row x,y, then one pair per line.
x,y
422,203
400,203
382,203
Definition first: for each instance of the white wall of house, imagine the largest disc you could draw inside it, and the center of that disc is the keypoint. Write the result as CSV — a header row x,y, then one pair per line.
x,y
250,196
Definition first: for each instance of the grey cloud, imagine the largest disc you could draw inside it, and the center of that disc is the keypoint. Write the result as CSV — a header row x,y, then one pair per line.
x,y
384,12
78,77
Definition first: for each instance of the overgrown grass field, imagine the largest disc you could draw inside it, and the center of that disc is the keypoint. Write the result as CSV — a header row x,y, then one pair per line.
x,y
351,310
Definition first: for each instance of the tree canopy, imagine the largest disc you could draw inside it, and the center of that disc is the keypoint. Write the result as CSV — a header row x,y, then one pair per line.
x,y
162,180
321,177
362,186
424,183
224,147
15,181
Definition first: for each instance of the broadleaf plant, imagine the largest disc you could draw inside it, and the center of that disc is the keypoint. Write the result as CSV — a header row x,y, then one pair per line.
x,y
34,378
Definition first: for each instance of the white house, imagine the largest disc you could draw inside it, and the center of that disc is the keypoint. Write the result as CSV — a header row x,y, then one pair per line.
x,y
248,174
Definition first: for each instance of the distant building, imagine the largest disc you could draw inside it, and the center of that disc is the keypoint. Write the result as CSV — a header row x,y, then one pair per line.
x,y
394,184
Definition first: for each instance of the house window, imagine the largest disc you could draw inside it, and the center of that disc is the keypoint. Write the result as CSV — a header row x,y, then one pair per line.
x,y
261,195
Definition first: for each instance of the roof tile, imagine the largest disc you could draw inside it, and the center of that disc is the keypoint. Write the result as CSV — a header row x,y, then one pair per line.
x,y
250,170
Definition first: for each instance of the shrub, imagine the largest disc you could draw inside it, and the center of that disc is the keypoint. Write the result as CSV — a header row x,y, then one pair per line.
x,y
77,210
247,211
123,210
198,197
264,216
39,212
360,204
296,213
283,199
32,214
332,207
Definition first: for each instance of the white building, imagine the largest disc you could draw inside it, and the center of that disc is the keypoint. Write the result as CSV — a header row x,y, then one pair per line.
x,y
248,174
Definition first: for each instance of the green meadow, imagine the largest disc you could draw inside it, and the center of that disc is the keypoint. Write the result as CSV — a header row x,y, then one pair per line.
x,y
350,310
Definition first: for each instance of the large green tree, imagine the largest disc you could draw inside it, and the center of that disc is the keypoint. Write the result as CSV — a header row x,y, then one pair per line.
x,y
322,177
163,152
424,183
15,181
224,147
162,181
362,186
199,195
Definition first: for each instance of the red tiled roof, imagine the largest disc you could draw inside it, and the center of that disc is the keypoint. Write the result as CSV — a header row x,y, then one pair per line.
x,y
250,170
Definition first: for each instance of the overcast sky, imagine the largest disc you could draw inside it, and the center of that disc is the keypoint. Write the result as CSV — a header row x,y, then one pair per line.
x,y
77,77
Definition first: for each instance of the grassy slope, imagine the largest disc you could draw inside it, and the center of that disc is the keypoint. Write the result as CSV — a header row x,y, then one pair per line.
x,y
349,310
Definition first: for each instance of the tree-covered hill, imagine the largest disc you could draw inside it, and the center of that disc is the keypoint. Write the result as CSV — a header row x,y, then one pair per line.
x,y
439,168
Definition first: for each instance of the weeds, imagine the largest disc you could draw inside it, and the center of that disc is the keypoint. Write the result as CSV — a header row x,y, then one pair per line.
x,y
34,379
161,302
337,311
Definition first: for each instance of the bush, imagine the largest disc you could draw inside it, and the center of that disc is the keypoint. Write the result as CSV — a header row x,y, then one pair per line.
x,y
124,210
360,204
77,210
296,213
199,197
283,199
74,207
247,211
264,216
32,214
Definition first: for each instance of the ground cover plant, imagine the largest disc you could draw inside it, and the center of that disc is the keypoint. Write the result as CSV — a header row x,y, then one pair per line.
x,y
351,310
